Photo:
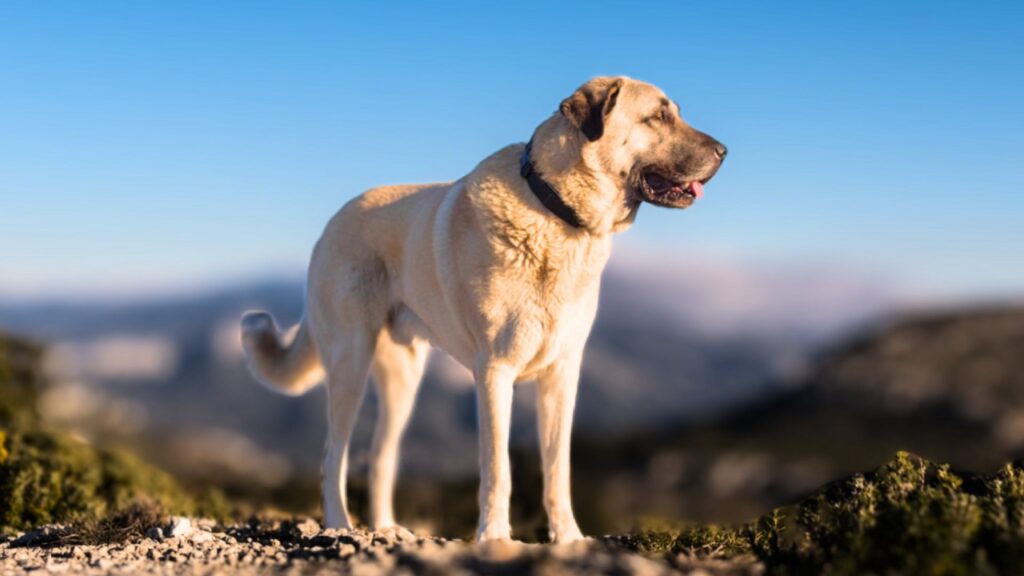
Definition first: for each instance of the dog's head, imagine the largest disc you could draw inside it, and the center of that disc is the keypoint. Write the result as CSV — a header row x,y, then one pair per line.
x,y
633,133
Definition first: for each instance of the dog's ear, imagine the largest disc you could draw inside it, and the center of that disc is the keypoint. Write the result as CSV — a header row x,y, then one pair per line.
x,y
588,108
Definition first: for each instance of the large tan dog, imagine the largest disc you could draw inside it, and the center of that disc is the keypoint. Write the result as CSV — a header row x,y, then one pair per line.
x,y
500,269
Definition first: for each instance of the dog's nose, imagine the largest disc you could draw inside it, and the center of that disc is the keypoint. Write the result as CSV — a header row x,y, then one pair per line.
x,y
720,150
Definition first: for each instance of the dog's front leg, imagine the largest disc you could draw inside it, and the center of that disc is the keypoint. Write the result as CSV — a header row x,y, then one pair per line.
x,y
494,409
556,401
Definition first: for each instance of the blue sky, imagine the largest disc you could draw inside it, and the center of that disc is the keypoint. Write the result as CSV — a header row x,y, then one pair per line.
x,y
153,145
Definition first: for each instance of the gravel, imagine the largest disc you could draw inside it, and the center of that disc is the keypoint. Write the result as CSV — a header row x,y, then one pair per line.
x,y
195,546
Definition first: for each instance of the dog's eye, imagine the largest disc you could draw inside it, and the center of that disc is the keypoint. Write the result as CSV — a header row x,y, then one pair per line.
x,y
663,115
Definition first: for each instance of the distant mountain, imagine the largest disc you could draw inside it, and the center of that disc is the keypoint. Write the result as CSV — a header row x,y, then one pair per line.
x,y
670,344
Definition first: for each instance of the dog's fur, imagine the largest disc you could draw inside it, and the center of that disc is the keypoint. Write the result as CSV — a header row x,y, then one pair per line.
x,y
481,269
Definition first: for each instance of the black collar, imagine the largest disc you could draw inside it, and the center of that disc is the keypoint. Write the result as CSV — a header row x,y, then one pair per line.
x,y
547,195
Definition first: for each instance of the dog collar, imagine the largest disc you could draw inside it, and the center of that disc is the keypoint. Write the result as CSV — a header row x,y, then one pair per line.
x,y
544,192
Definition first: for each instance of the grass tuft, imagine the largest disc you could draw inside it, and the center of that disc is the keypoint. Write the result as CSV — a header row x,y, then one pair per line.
x,y
126,525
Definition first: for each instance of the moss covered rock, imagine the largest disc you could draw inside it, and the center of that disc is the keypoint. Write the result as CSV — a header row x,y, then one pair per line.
x,y
909,516
48,476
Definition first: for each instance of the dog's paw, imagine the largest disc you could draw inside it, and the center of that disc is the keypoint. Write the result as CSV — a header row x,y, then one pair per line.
x,y
568,535
498,547
399,533
493,533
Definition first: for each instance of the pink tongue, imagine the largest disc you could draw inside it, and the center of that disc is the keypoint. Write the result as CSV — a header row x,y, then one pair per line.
x,y
697,188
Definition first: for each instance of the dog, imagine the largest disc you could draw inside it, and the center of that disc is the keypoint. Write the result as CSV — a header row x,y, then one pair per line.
x,y
500,269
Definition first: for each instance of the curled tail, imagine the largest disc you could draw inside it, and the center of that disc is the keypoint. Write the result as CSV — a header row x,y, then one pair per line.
x,y
291,367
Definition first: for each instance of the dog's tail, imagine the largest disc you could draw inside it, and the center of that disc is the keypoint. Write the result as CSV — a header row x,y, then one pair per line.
x,y
285,363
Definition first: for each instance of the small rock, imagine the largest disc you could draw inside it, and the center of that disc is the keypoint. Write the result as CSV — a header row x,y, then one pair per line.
x,y
155,533
179,527
321,540
346,550
307,528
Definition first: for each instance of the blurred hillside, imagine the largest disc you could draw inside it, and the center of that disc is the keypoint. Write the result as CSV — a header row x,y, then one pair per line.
x,y
780,413
948,385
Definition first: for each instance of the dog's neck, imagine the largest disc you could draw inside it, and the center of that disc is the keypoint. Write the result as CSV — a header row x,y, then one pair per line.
x,y
599,200
544,192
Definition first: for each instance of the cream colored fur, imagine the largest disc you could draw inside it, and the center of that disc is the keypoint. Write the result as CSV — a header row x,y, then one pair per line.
x,y
482,270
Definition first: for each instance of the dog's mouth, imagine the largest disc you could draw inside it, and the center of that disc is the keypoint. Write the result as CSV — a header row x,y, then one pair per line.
x,y
670,191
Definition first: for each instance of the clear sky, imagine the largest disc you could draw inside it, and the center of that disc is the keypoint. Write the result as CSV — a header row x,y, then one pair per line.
x,y
152,145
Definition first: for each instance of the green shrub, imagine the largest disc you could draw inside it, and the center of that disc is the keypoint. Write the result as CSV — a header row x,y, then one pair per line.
x,y
909,516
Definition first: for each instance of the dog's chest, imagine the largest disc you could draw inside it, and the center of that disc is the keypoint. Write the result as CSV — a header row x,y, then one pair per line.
x,y
556,304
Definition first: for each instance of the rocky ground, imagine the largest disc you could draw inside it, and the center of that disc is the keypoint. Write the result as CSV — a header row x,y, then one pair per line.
x,y
187,546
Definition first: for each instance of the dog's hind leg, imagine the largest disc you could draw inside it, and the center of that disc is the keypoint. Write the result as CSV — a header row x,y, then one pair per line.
x,y
397,368
347,373
347,304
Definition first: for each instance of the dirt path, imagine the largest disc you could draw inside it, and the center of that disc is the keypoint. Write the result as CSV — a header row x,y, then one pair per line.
x,y
202,547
